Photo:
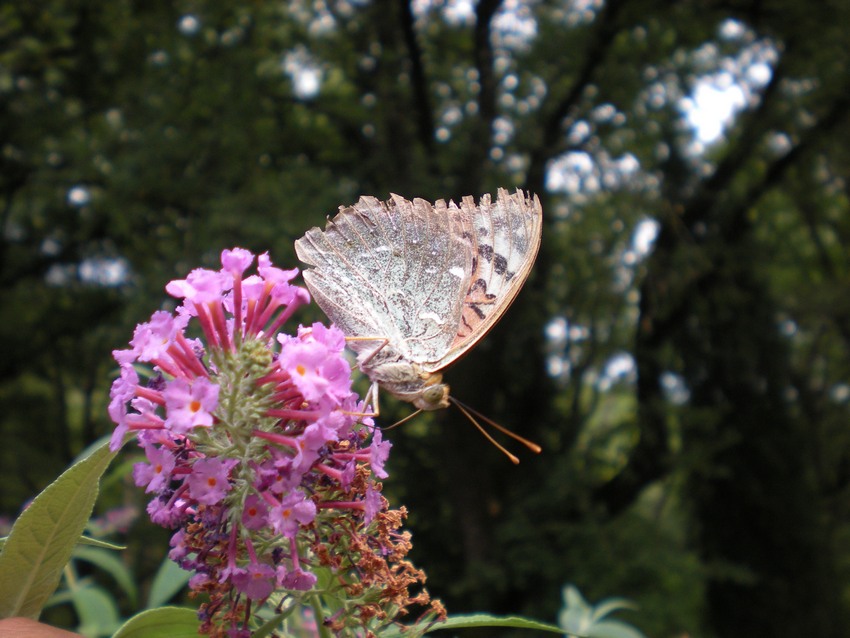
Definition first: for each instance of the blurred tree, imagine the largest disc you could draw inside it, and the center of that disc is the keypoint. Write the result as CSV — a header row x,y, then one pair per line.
x,y
693,402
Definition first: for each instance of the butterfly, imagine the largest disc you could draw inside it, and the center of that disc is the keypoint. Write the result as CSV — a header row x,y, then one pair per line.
x,y
415,285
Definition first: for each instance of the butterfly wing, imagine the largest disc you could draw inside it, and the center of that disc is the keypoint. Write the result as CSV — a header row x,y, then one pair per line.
x,y
397,270
507,237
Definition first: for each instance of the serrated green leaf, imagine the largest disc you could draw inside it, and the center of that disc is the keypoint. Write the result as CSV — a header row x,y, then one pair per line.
x,y
109,563
97,611
96,446
485,620
164,622
169,580
42,539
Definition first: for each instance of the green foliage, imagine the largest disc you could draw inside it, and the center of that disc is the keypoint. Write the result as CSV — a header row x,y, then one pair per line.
x,y
44,536
474,621
169,580
96,610
108,562
163,622
580,618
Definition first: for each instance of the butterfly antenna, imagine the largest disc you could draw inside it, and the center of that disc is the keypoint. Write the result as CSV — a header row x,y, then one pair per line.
x,y
486,434
466,410
398,423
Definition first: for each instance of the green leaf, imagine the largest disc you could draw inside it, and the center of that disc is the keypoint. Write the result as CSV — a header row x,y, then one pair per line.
x,y
169,580
579,618
574,600
272,624
610,605
59,597
485,620
109,563
612,629
97,611
44,536
164,622
95,542
99,444
121,470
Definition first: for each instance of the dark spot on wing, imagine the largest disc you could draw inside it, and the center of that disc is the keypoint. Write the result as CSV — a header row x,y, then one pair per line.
x,y
477,311
486,252
478,286
500,264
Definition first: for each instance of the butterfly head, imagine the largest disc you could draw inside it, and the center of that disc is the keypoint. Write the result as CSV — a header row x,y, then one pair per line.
x,y
435,394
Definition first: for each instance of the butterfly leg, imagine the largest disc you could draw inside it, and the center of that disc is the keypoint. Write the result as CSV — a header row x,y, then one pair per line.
x,y
370,399
371,355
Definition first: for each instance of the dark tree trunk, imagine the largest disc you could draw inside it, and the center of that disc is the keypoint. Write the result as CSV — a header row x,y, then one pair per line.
x,y
757,509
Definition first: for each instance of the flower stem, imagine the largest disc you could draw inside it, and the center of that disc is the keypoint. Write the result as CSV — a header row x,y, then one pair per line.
x,y
319,616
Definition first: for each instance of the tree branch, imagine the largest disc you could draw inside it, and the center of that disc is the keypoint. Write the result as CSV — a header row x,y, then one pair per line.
x,y
482,126
552,138
421,96
753,125
650,459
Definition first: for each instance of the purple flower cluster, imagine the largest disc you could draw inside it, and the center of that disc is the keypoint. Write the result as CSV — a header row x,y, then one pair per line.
x,y
258,453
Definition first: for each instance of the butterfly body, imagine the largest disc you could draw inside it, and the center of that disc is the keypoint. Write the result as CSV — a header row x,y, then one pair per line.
x,y
404,379
415,285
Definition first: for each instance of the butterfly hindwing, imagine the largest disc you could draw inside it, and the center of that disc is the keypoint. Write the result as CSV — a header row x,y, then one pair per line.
x,y
507,237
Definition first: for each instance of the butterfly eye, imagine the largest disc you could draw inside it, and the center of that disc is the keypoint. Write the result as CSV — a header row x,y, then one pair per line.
x,y
435,396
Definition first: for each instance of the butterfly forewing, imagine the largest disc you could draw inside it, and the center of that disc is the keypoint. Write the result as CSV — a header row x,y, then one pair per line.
x,y
394,270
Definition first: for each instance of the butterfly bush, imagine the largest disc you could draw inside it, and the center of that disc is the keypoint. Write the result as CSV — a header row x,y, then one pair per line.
x,y
259,456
